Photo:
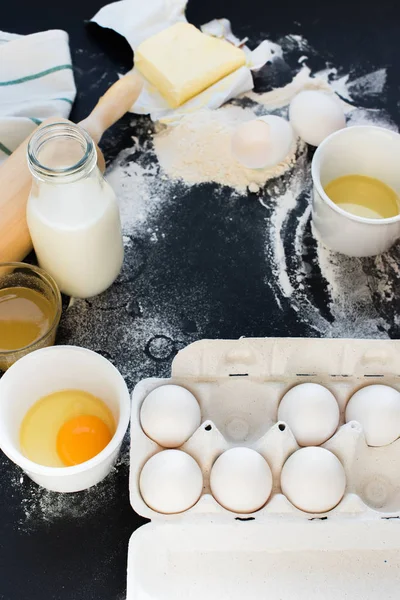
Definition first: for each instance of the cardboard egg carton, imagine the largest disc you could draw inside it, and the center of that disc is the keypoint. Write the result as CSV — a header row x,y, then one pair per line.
x,y
278,552
239,385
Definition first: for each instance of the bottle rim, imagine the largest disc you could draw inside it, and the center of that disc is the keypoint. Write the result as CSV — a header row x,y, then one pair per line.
x,y
48,133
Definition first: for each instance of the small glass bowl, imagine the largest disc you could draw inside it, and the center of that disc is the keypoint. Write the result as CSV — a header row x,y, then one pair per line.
x,y
16,274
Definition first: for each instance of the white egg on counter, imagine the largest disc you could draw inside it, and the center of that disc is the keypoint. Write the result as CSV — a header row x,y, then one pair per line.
x,y
313,480
171,482
169,415
377,409
311,412
241,480
314,115
263,142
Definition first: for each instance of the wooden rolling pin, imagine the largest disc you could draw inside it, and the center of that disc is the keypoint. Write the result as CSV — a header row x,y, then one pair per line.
x,y
16,179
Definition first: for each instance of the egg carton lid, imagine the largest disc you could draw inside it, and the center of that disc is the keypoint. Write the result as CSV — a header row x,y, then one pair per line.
x,y
283,357
285,558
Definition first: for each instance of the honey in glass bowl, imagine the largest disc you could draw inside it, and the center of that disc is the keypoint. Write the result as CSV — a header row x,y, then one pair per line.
x,y
30,310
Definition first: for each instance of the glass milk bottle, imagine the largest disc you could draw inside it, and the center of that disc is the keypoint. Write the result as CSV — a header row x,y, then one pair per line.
x,y
72,213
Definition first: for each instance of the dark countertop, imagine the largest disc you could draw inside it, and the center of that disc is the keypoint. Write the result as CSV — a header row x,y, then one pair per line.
x,y
207,278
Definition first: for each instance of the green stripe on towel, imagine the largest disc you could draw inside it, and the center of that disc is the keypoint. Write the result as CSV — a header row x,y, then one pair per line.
x,y
65,100
35,76
4,149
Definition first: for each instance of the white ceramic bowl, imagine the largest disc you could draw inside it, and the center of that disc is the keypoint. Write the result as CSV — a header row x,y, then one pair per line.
x,y
49,370
361,150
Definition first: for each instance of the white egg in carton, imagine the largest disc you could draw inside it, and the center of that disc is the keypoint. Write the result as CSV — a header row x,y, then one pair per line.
x,y
239,386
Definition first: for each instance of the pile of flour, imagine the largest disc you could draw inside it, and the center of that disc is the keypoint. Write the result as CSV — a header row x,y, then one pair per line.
x,y
198,150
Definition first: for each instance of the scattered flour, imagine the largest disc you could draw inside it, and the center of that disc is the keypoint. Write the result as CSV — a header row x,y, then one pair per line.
x,y
139,188
283,205
371,84
338,84
294,42
280,97
361,116
350,303
43,506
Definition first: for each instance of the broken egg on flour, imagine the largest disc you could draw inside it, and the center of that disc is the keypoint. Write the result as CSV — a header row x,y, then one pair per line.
x,y
262,143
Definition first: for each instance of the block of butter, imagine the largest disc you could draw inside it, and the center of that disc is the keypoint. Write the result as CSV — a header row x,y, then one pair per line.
x,y
181,61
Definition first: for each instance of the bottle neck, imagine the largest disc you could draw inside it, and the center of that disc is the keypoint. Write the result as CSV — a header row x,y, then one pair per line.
x,y
61,153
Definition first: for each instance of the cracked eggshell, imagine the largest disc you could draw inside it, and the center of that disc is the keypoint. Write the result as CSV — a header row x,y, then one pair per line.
x,y
263,142
311,412
377,409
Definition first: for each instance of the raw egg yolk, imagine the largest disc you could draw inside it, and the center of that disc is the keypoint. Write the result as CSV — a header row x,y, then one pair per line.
x,y
81,438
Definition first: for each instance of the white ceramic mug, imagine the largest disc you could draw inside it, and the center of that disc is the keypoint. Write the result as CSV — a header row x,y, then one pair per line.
x,y
359,150
49,370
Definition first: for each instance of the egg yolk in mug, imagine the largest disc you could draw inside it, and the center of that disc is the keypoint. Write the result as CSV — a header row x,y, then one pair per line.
x,y
66,428
81,438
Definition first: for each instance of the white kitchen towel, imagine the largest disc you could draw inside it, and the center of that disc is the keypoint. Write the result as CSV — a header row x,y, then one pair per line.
x,y
36,82
137,20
